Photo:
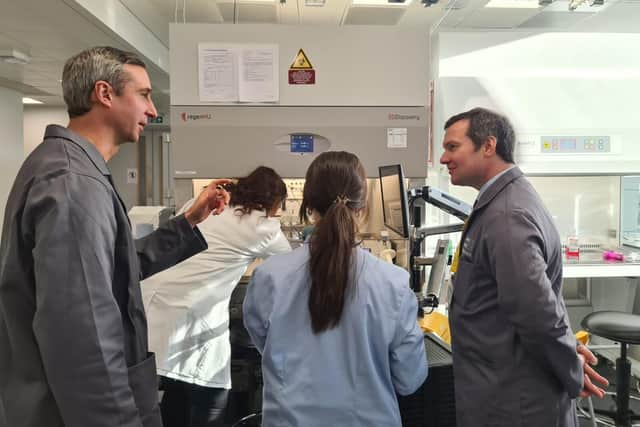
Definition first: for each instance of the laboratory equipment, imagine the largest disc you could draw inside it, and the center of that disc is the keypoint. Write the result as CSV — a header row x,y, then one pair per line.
x,y
613,256
630,211
231,141
396,217
394,199
572,248
145,219
440,260
433,404
444,201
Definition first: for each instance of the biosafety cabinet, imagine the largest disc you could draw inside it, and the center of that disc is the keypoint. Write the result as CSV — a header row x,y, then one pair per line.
x,y
231,141
369,97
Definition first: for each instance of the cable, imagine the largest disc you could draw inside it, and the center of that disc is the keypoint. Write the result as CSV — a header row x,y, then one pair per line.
x,y
425,313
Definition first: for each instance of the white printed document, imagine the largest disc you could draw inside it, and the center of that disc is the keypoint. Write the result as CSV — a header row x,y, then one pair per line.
x,y
238,73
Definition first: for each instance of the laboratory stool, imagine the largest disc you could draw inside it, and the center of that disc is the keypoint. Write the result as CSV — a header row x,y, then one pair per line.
x,y
625,329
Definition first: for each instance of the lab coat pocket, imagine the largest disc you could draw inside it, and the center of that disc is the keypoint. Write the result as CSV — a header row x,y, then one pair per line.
x,y
143,383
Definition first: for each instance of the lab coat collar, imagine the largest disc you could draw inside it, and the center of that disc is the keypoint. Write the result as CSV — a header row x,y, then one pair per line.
x,y
497,186
56,131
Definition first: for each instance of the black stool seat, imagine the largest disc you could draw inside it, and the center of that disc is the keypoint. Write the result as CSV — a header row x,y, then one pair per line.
x,y
614,325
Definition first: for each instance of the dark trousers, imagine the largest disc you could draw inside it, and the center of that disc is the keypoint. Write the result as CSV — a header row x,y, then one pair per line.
x,y
189,405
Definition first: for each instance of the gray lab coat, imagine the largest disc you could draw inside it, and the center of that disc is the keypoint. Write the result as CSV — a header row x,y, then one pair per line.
x,y
73,333
514,354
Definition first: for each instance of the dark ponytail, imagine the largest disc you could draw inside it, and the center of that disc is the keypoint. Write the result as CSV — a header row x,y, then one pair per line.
x,y
336,188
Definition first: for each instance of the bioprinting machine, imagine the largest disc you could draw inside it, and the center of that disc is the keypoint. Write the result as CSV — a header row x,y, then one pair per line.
x,y
361,102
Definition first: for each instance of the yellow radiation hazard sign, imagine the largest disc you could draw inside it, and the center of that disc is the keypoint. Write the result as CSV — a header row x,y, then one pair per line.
x,y
301,62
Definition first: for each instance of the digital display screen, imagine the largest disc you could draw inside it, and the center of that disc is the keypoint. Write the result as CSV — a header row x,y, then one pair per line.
x,y
301,143
568,144
394,199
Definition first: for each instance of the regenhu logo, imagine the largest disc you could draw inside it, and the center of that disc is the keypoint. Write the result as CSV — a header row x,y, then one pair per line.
x,y
188,116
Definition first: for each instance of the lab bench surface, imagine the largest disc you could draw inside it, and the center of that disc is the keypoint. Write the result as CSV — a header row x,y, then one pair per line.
x,y
590,263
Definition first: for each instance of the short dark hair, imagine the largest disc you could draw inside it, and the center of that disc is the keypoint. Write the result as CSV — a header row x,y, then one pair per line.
x,y
262,189
484,123
83,70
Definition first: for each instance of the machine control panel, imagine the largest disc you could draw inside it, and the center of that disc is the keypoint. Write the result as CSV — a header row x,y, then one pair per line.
x,y
289,215
301,143
575,144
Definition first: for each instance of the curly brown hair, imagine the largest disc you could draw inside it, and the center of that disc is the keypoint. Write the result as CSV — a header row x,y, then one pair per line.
x,y
262,189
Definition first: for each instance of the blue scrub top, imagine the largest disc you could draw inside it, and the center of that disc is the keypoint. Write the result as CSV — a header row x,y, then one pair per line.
x,y
346,376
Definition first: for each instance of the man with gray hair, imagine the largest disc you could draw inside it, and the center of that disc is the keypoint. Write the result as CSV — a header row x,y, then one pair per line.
x,y
73,332
515,359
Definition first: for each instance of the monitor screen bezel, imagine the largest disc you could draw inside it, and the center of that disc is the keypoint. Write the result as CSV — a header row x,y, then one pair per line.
x,y
390,170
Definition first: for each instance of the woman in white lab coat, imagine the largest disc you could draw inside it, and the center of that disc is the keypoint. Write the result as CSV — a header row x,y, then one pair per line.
x,y
188,305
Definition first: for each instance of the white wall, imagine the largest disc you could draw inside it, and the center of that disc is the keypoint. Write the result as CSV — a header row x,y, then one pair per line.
x,y
126,158
11,137
36,119
354,65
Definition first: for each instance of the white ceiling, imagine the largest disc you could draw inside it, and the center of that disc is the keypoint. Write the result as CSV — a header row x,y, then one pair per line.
x,y
52,30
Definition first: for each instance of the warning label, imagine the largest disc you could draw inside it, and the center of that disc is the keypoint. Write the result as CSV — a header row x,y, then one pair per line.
x,y
302,77
301,62
301,71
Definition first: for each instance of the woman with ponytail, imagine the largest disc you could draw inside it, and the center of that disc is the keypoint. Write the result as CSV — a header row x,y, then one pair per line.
x,y
336,327
188,305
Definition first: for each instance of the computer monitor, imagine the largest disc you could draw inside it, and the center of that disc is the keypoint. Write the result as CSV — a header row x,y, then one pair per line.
x,y
394,199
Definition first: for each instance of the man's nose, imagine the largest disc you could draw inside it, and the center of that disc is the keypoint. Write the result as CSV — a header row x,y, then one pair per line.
x,y
152,112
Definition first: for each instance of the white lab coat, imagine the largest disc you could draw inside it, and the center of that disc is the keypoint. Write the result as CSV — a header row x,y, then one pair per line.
x,y
188,305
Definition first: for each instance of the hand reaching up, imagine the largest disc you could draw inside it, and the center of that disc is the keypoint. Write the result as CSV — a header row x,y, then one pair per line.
x,y
212,200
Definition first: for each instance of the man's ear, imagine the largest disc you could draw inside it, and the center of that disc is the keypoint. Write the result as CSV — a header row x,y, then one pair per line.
x,y
489,146
103,93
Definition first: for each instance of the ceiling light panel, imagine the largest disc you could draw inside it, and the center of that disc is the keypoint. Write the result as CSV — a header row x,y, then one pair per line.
x,y
380,3
513,4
